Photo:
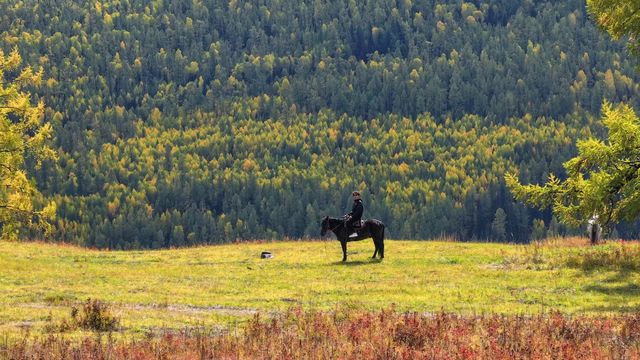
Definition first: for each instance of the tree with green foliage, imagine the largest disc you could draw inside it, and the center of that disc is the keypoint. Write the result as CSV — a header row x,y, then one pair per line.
x,y
619,18
23,137
554,228
229,120
603,180
538,230
498,230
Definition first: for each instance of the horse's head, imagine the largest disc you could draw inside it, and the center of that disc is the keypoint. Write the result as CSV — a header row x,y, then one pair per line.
x,y
325,226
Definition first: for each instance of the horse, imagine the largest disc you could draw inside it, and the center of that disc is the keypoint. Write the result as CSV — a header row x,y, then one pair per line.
x,y
371,228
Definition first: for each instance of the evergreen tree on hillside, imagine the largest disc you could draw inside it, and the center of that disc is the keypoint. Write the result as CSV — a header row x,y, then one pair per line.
x,y
498,229
208,121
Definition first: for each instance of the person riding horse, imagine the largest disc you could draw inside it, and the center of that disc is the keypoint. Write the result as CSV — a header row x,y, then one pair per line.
x,y
352,219
343,228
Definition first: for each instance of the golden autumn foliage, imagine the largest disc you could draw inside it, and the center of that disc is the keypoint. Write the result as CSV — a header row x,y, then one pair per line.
x,y
22,134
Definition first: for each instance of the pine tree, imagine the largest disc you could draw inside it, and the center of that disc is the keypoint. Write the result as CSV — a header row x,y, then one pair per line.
x,y
554,228
498,229
538,232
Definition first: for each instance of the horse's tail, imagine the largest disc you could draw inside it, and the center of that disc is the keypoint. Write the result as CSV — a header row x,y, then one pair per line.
x,y
383,227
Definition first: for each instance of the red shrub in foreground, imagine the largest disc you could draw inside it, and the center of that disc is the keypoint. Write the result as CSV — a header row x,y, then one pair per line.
x,y
298,334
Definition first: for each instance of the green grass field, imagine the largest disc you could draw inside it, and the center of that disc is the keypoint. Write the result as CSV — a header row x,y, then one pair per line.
x,y
222,285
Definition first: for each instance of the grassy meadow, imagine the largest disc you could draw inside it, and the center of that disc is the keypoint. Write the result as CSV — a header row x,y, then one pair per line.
x,y
217,286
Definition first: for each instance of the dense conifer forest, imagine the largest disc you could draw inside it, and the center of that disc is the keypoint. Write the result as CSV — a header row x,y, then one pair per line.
x,y
205,121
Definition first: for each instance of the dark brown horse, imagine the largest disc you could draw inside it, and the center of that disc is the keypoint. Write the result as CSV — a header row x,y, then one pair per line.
x,y
371,228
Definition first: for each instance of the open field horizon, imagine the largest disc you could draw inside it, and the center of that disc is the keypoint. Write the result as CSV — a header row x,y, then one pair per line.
x,y
226,284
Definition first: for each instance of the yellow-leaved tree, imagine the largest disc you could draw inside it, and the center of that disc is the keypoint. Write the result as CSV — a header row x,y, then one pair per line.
x,y
620,18
23,135
603,179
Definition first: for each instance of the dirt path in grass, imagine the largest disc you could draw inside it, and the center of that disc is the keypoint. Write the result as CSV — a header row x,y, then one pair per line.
x,y
181,308
189,309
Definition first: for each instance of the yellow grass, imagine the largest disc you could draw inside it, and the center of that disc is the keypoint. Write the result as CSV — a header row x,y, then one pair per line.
x,y
220,285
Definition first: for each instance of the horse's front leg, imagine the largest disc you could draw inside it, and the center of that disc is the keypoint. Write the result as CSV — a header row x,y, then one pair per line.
x,y
343,243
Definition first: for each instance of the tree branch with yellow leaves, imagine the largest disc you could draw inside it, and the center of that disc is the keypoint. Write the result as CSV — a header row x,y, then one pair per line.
x,y
23,133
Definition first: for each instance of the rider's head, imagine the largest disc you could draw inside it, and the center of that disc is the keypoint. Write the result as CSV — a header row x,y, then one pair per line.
x,y
356,195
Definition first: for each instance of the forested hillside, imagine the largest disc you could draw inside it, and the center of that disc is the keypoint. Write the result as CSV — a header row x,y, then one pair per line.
x,y
183,122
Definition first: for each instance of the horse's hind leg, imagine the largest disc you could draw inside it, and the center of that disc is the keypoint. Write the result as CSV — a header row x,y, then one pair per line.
x,y
375,243
381,241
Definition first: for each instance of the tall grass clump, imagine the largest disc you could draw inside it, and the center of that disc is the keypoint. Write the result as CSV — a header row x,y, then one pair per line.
x,y
93,315
532,257
621,256
387,334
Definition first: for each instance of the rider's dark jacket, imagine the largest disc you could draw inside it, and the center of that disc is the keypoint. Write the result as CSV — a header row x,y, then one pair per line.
x,y
356,212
